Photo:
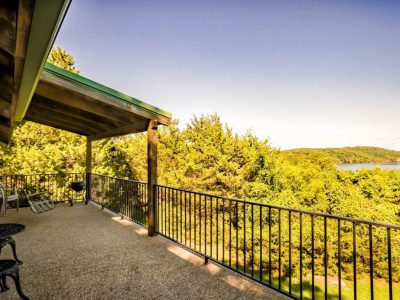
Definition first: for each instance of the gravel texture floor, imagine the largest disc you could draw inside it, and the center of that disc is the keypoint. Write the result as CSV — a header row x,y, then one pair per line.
x,y
82,252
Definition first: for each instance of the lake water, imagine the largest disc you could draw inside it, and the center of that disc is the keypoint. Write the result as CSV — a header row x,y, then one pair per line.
x,y
384,166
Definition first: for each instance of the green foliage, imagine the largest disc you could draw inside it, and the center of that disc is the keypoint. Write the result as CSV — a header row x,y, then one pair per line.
x,y
62,59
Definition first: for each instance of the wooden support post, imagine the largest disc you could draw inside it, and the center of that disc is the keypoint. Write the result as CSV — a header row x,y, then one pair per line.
x,y
88,168
151,176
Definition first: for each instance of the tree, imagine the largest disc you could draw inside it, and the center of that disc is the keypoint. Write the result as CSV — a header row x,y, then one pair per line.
x,y
62,59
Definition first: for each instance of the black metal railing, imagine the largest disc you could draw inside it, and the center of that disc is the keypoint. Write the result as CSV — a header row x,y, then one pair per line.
x,y
56,186
302,254
125,197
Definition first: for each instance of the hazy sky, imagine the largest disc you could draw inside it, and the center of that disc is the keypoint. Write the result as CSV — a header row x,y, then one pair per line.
x,y
301,73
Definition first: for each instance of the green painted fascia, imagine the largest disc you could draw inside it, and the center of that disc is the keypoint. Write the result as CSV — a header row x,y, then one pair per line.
x,y
104,89
46,20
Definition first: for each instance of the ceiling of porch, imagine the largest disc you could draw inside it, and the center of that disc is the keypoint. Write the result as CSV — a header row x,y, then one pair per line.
x,y
77,104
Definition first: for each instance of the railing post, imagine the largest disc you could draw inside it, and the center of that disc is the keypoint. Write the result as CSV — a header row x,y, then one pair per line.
x,y
151,176
88,169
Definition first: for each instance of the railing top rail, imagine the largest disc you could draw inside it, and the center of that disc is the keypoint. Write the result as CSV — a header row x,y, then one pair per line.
x,y
43,174
342,218
130,180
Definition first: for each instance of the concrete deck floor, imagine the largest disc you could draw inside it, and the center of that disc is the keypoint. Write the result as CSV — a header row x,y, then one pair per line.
x,y
82,252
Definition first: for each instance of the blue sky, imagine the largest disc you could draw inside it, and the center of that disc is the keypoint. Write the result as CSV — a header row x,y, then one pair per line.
x,y
301,73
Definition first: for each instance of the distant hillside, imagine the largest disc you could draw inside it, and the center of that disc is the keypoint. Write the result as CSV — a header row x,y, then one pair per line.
x,y
362,154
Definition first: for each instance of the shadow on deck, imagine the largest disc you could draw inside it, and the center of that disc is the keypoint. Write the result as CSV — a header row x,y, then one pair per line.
x,y
82,252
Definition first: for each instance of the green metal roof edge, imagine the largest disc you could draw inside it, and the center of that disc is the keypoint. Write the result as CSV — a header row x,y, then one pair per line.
x,y
104,89
46,21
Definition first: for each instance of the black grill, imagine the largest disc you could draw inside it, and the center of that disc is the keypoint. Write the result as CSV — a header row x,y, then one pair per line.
x,y
78,186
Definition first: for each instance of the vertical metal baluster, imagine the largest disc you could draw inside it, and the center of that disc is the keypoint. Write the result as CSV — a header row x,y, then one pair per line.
x,y
261,241
177,214
290,251
237,236
389,249
160,209
301,255
132,197
371,262
269,247
355,260
252,240
138,202
279,251
144,208
211,223
339,260
165,211
185,220
164,198
230,233
169,213
217,222
159,221
168,195
121,195
312,259
134,200
195,217
174,218
244,238
146,200
200,221
136,207
127,190
205,224
223,231
325,259
180,207
190,219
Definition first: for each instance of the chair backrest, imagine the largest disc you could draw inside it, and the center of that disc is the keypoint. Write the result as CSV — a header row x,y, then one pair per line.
x,y
4,198
2,191
3,203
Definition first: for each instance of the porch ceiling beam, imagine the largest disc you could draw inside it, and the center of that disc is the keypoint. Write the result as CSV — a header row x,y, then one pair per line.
x,y
128,129
60,108
101,98
71,118
56,118
78,100
47,119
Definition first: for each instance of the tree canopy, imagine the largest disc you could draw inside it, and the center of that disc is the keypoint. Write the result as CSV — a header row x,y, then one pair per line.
x,y
62,59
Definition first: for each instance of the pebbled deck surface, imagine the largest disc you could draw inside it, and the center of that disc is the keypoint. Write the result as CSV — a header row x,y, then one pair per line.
x,y
82,252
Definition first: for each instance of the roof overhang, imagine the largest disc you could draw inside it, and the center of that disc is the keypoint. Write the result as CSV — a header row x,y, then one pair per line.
x,y
71,102
29,90
27,32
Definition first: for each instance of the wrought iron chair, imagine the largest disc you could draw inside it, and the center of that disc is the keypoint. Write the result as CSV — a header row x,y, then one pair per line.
x,y
10,268
7,197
